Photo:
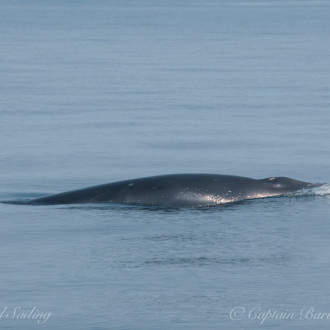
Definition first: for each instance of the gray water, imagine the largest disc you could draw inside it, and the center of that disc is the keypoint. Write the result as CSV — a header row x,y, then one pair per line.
x,y
99,91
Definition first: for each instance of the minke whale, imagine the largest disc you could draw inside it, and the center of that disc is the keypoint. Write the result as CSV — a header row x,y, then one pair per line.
x,y
179,190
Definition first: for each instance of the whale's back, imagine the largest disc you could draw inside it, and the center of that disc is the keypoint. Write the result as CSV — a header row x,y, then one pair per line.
x,y
178,190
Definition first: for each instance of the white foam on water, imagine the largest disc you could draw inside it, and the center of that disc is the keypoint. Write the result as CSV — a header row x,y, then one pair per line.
x,y
323,190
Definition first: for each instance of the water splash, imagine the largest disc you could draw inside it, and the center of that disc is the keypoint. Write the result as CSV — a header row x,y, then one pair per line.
x,y
322,190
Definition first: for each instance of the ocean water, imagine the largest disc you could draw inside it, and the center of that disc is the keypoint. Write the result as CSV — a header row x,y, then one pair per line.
x,y
98,91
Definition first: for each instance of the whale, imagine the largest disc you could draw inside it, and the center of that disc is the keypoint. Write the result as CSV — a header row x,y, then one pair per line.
x,y
179,190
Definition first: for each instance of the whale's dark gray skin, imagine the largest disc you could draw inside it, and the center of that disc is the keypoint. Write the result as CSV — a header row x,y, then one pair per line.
x,y
179,190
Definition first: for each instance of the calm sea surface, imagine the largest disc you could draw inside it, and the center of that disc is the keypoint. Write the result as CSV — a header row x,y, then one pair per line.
x,y
99,91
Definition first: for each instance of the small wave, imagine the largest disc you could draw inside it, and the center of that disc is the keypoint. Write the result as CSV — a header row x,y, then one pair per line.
x,y
322,190
199,261
16,202
18,198
21,195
